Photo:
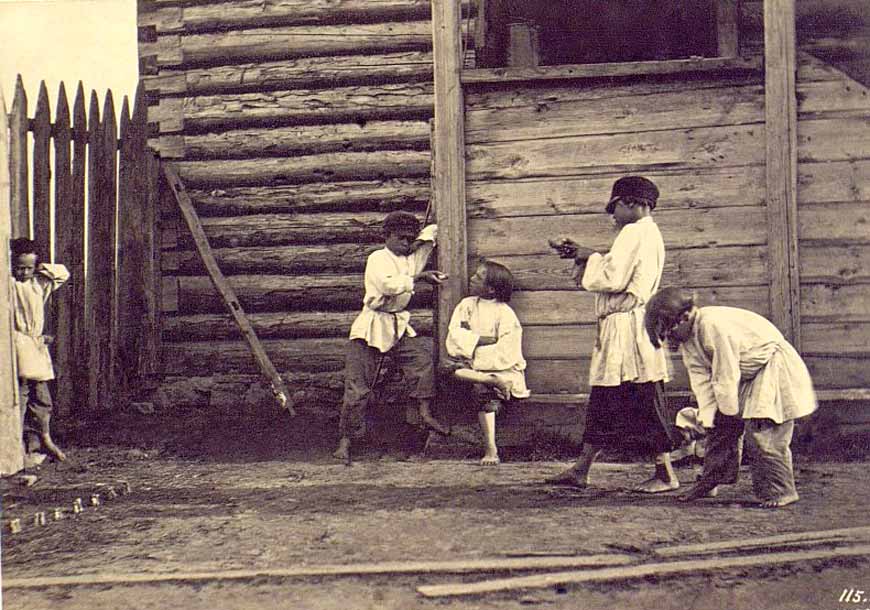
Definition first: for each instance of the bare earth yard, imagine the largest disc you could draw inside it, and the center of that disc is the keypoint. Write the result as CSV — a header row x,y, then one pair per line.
x,y
260,510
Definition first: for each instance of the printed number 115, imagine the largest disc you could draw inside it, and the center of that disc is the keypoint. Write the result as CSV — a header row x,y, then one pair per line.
x,y
856,596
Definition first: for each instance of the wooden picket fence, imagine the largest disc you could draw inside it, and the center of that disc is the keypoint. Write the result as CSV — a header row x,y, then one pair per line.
x,y
100,223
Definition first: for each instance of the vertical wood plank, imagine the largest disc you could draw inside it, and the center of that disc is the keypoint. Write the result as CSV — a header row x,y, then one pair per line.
x,y
780,115
449,147
11,449
149,352
42,175
71,247
18,163
131,226
95,321
727,15
63,347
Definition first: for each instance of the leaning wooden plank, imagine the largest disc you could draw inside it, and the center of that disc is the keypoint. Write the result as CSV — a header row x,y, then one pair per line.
x,y
396,567
696,566
226,292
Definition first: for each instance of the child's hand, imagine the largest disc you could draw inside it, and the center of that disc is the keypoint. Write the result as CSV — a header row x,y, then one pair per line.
x,y
47,339
415,245
433,277
564,247
465,325
486,341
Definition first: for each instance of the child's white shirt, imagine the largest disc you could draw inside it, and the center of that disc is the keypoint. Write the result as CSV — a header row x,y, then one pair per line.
x,y
34,360
489,318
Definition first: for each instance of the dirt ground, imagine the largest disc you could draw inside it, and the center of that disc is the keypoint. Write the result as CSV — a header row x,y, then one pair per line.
x,y
258,500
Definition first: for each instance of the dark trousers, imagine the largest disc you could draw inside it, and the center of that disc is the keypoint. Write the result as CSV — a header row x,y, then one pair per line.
x,y
36,406
412,355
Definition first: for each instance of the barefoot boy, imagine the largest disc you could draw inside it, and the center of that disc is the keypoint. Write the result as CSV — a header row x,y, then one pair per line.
x,y
748,380
485,342
383,326
34,283
626,373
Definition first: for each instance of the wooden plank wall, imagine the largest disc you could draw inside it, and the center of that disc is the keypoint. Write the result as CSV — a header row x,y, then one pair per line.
x,y
295,126
541,160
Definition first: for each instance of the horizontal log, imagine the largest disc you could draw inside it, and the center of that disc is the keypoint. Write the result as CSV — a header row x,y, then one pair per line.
x,y
533,94
571,376
701,188
833,182
261,293
296,355
836,339
286,42
395,101
234,391
263,230
329,167
255,13
298,73
834,139
837,224
306,140
839,371
833,303
695,267
551,307
702,107
288,260
733,145
278,325
365,196
701,228
834,264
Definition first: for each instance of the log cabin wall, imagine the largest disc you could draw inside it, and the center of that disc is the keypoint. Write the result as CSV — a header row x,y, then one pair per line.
x,y
295,126
542,155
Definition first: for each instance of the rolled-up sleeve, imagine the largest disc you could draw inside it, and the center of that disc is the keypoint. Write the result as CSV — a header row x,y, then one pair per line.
x,y
611,272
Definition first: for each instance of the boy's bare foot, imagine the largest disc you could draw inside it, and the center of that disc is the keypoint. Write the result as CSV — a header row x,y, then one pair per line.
x,y
657,486
490,458
49,445
569,478
343,451
779,502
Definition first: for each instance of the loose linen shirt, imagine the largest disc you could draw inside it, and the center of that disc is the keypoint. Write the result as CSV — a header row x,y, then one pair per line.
x,y
489,318
34,360
389,285
623,280
740,364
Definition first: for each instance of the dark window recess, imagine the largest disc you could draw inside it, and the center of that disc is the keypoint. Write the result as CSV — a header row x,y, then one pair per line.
x,y
553,32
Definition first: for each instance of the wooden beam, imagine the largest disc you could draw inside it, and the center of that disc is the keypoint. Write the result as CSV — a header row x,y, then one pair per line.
x,y
227,293
449,146
727,28
11,450
654,570
780,108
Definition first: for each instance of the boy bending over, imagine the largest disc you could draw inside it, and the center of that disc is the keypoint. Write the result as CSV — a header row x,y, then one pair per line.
x,y
747,379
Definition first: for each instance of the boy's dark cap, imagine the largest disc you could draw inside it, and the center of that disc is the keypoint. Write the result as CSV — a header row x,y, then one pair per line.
x,y
399,220
633,186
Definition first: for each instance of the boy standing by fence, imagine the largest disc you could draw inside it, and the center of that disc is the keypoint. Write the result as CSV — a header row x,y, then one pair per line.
x,y
34,283
626,373
383,326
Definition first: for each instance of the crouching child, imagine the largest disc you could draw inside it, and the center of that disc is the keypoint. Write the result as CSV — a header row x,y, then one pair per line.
x,y
484,348
750,384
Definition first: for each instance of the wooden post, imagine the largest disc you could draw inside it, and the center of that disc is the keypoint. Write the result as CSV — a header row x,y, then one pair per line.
x,y
130,226
780,115
727,14
96,302
18,162
449,150
42,176
63,354
11,449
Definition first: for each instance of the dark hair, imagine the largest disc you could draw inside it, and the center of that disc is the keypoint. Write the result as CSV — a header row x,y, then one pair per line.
x,y
22,245
500,279
399,221
664,309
